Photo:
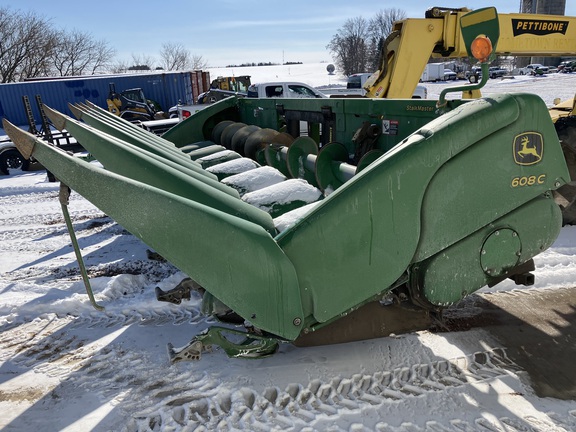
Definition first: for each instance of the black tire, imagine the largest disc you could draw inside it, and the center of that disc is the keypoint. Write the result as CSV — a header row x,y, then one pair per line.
x,y
11,159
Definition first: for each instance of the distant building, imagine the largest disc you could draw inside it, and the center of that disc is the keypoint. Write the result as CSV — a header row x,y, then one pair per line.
x,y
546,7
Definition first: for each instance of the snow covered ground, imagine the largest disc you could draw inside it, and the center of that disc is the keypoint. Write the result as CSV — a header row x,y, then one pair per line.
x,y
67,367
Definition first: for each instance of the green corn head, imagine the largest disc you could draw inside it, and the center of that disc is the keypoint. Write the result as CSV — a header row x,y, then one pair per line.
x,y
300,216
433,208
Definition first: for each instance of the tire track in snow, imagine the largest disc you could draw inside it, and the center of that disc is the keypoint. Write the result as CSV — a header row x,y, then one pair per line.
x,y
17,210
42,340
35,226
174,398
312,407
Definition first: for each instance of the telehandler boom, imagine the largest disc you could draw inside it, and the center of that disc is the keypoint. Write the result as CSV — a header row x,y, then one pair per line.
x,y
413,41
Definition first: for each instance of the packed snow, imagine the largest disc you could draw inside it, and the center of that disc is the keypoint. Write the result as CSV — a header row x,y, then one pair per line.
x,y
65,366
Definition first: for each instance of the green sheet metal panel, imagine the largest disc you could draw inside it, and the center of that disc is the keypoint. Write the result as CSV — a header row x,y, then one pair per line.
x,y
478,259
236,260
486,182
361,238
397,118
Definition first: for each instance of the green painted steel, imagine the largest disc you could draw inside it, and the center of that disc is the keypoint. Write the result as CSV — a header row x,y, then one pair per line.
x,y
487,177
64,196
217,158
120,123
393,213
482,21
476,260
208,245
443,191
250,345
137,163
120,128
332,169
479,23
199,126
446,199
399,117
206,151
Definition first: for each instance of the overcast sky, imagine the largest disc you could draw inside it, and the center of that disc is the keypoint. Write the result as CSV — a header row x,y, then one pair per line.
x,y
228,31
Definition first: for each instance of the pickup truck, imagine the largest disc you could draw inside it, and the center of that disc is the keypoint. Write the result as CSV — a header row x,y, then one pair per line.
x,y
497,72
534,69
12,159
356,82
280,89
283,89
475,74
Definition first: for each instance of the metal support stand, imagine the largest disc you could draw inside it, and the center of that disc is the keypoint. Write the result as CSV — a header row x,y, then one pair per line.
x,y
64,199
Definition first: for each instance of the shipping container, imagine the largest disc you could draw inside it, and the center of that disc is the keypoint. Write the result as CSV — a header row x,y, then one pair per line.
x,y
166,88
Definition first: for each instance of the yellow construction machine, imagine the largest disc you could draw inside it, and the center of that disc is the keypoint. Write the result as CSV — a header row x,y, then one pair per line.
x,y
223,87
132,104
413,41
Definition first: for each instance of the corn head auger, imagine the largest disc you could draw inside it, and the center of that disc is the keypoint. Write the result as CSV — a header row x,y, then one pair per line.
x,y
321,221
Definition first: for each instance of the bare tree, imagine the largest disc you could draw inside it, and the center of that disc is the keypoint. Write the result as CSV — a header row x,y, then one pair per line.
x,y
198,63
102,57
382,23
142,62
78,53
174,56
120,66
356,46
349,46
380,27
26,41
31,47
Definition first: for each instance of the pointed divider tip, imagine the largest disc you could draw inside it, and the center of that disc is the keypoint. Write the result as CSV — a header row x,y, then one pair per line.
x,y
58,119
23,140
90,106
76,110
93,105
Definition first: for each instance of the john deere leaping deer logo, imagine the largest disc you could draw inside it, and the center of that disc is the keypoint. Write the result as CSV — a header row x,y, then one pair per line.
x,y
528,148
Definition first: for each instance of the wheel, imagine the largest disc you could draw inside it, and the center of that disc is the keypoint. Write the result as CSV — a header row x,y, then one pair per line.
x,y
134,117
11,159
434,12
473,79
